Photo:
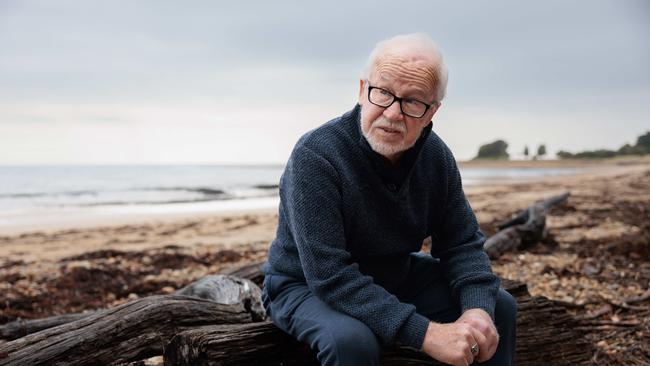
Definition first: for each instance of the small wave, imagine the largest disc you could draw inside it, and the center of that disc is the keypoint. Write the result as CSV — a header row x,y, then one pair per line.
x,y
48,194
207,198
203,190
140,196
206,191
267,186
166,202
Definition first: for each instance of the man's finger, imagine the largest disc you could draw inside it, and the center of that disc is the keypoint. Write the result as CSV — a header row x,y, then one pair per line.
x,y
469,357
493,343
493,347
483,346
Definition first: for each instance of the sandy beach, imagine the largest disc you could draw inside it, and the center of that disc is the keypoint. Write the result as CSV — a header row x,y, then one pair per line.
x,y
596,253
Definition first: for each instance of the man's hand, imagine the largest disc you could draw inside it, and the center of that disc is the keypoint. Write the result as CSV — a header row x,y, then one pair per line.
x,y
480,320
451,343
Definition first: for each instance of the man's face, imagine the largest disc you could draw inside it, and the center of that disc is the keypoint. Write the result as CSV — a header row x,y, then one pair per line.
x,y
388,131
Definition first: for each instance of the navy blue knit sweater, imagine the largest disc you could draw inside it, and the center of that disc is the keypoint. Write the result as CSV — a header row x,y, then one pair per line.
x,y
348,222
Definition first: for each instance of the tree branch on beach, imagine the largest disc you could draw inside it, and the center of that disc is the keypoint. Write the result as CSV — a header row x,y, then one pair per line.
x,y
523,229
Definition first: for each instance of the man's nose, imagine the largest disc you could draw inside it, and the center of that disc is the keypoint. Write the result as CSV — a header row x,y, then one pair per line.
x,y
394,112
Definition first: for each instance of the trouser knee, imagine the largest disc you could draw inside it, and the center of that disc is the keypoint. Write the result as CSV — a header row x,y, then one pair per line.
x,y
351,345
505,314
506,307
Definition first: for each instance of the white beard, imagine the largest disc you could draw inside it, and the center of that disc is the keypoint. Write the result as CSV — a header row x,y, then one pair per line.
x,y
380,147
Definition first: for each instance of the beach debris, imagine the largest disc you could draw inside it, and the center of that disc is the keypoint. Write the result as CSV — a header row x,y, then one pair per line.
x,y
225,289
523,229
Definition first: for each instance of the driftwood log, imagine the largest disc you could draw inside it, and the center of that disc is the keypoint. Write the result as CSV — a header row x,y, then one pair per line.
x,y
22,327
545,337
140,328
226,290
258,344
523,229
132,331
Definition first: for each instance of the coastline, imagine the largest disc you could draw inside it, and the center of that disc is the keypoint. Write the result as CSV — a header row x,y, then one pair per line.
x,y
477,175
557,163
137,217
24,242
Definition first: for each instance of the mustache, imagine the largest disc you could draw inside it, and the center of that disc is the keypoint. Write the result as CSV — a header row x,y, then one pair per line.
x,y
384,122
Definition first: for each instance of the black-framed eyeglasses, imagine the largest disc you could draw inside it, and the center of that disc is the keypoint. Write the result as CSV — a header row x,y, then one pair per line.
x,y
409,106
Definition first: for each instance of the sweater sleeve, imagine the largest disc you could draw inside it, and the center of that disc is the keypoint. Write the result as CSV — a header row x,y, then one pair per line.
x,y
459,245
311,197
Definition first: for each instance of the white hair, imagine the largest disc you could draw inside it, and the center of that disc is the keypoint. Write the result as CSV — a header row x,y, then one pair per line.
x,y
422,44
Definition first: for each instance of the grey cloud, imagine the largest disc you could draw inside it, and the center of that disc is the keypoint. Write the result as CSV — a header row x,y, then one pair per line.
x,y
499,49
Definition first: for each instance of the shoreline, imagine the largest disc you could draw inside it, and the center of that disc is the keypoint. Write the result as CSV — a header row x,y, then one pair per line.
x,y
557,163
114,217
81,221
129,219
133,232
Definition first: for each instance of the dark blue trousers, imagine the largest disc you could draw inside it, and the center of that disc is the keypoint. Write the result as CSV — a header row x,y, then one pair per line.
x,y
340,339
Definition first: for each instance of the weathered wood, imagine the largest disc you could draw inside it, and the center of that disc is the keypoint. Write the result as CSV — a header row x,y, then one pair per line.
x,y
523,229
228,290
545,337
261,343
223,289
22,327
129,332
258,344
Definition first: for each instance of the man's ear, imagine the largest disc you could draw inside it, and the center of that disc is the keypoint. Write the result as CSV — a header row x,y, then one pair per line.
x,y
361,87
432,111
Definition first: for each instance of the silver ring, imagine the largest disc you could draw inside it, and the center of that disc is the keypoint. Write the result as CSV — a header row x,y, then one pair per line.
x,y
474,349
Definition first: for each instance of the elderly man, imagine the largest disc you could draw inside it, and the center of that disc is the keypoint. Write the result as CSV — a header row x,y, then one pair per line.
x,y
359,195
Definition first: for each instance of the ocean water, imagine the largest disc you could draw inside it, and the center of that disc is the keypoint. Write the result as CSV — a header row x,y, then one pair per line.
x,y
34,196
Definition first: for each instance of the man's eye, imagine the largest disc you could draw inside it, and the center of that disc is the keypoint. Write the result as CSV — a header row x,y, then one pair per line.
x,y
411,102
385,93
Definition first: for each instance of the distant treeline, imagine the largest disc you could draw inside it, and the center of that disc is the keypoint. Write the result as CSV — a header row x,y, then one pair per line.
x,y
493,150
499,150
641,147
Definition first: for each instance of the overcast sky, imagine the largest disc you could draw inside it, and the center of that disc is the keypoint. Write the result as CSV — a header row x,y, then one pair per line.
x,y
168,82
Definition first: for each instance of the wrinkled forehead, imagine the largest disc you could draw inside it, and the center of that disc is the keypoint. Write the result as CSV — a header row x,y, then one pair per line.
x,y
406,68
